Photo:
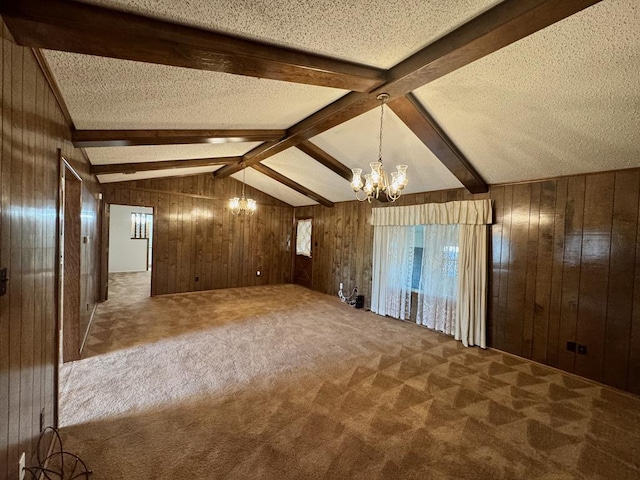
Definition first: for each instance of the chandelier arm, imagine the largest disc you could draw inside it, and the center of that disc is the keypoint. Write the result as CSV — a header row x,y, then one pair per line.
x,y
363,198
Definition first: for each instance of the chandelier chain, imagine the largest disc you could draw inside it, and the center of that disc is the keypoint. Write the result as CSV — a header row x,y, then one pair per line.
x,y
381,122
378,181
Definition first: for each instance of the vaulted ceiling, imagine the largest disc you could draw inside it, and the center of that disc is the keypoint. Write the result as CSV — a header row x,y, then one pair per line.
x,y
482,91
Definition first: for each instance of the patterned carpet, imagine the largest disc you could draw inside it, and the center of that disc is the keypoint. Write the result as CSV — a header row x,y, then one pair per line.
x,y
281,382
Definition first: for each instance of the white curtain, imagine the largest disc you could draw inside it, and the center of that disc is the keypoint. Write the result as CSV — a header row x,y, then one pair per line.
x,y
392,269
437,294
472,286
462,314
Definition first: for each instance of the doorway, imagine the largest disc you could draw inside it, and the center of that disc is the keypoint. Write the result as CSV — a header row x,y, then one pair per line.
x,y
302,258
130,250
70,228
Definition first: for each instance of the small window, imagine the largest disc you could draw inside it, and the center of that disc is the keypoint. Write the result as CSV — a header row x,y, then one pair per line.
x,y
141,225
303,237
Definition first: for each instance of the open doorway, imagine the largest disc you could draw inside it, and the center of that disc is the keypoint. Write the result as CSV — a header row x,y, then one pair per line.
x,y
130,247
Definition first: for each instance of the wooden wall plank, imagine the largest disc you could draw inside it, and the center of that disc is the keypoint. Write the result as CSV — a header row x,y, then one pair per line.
x,y
594,273
514,333
5,237
33,127
543,277
15,259
531,271
555,300
502,315
571,271
27,430
619,299
633,377
495,276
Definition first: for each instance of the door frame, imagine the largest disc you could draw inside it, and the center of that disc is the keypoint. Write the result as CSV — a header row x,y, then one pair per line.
x,y
106,250
66,172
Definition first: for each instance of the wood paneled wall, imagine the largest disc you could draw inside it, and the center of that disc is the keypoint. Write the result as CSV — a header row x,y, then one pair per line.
x,y
565,266
33,128
198,244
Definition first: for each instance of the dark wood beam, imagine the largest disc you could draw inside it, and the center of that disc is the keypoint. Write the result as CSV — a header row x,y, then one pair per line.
x,y
162,165
269,172
126,138
494,29
325,159
413,114
81,28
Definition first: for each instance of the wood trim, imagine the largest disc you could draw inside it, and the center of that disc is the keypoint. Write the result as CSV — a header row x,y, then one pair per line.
x,y
496,28
161,165
420,122
291,184
180,194
48,75
80,28
86,333
126,138
325,159
104,219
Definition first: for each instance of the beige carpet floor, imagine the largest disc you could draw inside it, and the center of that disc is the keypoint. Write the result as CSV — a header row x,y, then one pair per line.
x,y
280,382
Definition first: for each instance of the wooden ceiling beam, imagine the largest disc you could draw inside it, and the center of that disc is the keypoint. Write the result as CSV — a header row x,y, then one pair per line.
x,y
269,172
126,138
423,125
89,29
494,29
325,159
162,165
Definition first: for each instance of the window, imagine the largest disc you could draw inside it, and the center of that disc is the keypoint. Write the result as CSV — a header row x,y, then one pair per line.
x,y
448,265
141,225
303,237
417,258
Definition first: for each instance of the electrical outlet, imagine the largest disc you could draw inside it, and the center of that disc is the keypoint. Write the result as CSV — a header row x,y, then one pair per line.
x,y
582,349
341,286
21,464
571,346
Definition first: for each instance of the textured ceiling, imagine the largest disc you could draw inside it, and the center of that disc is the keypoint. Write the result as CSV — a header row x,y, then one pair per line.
x,y
151,153
121,177
301,168
106,93
563,101
380,33
274,188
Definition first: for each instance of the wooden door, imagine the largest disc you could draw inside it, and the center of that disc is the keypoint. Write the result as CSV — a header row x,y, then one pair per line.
x,y
302,254
70,251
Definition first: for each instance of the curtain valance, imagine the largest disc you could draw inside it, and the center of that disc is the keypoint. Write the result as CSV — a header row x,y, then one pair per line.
x,y
469,212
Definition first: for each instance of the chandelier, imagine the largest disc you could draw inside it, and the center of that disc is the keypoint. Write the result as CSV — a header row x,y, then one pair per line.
x,y
242,205
377,181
